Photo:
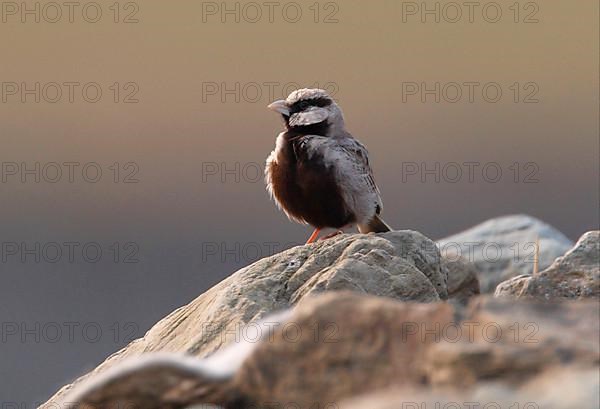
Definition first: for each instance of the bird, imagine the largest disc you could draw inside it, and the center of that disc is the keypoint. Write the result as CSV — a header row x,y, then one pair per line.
x,y
318,173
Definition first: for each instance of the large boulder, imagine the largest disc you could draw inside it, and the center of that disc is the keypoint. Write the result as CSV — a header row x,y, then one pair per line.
x,y
402,265
504,247
576,275
329,348
341,345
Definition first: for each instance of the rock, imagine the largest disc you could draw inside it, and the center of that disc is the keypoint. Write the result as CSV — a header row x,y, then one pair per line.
x,y
403,265
578,388
513,287
576,275
504,247
462,279
341,345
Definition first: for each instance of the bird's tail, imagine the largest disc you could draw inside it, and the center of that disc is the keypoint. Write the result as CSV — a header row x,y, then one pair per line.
x,y
375,225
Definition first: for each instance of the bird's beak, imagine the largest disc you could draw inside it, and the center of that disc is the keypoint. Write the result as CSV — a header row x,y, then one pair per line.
x,y
279,106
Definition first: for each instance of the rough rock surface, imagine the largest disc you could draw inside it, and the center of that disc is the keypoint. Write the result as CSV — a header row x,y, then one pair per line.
x,y
325,348
341,345
504,247
552,389
463,282
403,265
576,275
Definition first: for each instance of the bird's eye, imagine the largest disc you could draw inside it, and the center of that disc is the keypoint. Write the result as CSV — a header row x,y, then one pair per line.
x,y
303,105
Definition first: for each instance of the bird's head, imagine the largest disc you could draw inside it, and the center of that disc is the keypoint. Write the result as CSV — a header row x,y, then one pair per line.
x,y
310,111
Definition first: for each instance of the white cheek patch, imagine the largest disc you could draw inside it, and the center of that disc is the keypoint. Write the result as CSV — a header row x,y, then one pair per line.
x,y
310,116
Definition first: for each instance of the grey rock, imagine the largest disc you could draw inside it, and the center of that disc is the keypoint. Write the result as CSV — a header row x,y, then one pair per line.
x,y
463,282
403,265
513,287
553,389
504,247
341,345
576,275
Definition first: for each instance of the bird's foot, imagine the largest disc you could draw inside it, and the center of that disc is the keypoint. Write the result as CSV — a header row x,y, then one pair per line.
x,y
313,237
329,236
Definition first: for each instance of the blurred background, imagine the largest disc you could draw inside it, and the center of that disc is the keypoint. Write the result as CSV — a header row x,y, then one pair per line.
x,y
133,137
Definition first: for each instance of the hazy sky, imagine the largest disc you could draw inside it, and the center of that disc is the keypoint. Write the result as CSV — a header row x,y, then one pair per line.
x,y
487,111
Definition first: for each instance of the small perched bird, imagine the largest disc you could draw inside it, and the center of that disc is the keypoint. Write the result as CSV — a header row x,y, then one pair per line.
x,y
318,174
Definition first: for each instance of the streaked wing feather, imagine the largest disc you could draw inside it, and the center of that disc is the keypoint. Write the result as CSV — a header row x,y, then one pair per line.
x,y
352,161
359,157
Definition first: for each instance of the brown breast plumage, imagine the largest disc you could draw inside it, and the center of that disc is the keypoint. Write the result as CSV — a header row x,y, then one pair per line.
x,y
305,187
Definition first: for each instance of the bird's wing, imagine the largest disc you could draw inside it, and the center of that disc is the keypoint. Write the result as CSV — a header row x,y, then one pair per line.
x,y
350,160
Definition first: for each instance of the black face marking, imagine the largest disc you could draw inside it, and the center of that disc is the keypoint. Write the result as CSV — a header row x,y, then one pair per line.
x,y
304,104
320,128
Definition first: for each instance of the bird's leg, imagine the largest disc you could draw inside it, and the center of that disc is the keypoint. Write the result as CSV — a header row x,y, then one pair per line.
x,y
335,233
313,236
